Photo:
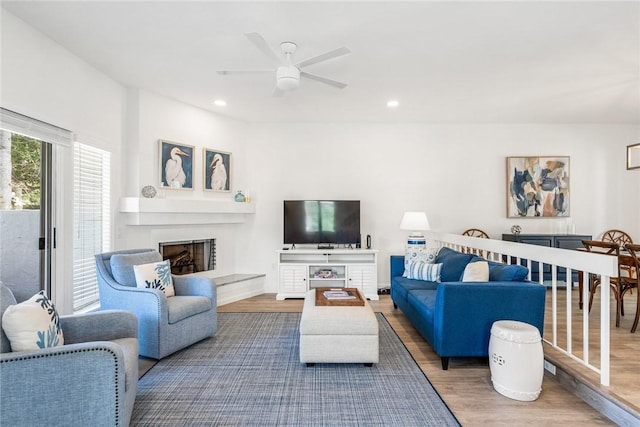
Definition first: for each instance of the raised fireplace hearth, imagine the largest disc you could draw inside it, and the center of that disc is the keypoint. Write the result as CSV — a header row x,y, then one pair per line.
x,y
189,256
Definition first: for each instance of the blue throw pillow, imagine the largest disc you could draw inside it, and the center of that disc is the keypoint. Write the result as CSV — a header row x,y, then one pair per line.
x,y
453,264
507,273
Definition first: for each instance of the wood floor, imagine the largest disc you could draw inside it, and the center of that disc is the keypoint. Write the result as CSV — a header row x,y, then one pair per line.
x,y
466,387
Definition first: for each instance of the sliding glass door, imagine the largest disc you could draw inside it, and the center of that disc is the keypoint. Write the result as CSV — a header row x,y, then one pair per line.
x,y
27,236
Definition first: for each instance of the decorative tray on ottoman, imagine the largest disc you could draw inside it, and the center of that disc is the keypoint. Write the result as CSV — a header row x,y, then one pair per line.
x,y
339,297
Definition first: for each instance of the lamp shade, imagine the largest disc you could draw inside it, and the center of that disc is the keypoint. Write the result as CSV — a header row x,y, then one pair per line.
x,y
414,221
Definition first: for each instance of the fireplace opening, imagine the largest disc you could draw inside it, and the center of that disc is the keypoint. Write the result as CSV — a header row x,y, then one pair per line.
x,y
189,256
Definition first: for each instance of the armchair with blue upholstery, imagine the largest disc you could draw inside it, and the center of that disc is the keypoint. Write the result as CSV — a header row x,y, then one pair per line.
x,y
165,324
91,380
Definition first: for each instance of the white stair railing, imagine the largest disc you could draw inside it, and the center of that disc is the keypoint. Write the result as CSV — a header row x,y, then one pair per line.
x,y
572,261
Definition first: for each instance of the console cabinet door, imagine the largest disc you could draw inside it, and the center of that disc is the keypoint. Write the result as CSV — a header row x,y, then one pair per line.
x,y
364,277
293,279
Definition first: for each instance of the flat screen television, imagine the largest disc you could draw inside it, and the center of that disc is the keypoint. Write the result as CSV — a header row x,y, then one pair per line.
x,y
322,222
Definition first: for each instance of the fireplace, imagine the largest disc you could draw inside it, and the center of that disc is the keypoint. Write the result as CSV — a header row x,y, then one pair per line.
x,y
189,256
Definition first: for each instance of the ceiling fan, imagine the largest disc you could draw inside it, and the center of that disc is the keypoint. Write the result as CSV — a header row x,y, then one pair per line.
x,y
287,73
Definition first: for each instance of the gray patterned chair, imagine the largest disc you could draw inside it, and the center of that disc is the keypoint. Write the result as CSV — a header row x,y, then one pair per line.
x,y
91,380
165,324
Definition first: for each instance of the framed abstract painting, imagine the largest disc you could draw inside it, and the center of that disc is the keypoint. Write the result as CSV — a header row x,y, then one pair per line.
x,y
176,165
217,170
538,187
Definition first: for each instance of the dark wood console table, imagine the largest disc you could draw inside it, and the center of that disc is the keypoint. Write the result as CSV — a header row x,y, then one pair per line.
x,y
562,241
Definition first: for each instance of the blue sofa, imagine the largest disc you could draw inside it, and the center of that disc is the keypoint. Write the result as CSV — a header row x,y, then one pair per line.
x,y
455,317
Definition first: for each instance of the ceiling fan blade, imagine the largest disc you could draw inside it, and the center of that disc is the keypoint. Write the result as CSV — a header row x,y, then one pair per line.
x,y
225,72
330,82
261,44
324,57
277,92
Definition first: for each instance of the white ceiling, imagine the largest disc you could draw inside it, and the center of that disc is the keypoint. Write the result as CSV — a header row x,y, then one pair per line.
x,y
446,61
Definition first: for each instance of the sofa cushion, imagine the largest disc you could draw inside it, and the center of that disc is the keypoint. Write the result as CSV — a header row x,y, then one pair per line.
x,y
424,271
33,324
155,275
477,271
181,307
506,272
453,264
400,286
418,254
122,265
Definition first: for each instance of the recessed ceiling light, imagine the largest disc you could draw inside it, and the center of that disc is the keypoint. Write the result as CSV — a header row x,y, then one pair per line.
x,y
393,103
220,103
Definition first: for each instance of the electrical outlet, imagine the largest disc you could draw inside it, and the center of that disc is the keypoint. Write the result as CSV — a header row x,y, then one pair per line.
x,y
550,367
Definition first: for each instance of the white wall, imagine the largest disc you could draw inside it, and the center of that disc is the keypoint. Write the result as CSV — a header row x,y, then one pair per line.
x,y
152,117
42,80
455,173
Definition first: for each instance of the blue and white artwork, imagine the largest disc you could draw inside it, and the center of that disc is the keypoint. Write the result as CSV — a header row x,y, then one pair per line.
x,y
217,170
176,165
538,187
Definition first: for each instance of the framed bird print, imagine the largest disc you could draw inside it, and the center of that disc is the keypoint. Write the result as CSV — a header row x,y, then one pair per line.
x,y
176,165
217,170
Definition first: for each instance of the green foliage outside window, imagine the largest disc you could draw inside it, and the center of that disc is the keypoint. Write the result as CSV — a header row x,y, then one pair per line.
x,y
25,171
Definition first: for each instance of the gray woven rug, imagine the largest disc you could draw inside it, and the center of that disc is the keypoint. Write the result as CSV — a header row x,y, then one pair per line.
x,y
250,374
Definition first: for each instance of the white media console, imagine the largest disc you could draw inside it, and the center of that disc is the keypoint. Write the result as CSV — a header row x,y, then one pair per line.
x,y
300,270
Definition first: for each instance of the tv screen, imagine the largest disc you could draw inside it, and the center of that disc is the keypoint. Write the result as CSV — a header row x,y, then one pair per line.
x,y
321,221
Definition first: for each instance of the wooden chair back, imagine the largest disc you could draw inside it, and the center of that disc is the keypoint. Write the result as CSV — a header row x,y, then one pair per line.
x,y
475,232
616,236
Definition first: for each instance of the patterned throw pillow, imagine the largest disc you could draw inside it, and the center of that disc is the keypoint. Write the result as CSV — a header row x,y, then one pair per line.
x,y
418,254
476,272
32,324
156,275
424,271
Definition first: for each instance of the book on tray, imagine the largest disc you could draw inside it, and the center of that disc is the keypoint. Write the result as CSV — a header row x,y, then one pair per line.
x,y
337,294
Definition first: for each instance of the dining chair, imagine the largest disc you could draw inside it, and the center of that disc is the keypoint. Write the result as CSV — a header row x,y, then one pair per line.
x,y
616,236
619,237
617,286
475,232
634,280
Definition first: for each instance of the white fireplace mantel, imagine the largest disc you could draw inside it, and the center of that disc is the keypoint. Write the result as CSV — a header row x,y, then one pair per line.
x,y
163,211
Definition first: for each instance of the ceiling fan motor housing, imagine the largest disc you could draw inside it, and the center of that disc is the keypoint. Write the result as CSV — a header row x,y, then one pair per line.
x,y
288,78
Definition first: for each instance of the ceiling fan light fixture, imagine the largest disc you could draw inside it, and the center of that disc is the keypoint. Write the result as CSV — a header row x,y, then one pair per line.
x,y
288,78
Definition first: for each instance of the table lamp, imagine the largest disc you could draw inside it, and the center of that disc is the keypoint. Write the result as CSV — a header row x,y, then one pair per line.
x,y
416,222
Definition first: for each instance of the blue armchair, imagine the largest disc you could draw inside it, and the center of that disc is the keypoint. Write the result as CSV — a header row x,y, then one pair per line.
x,y
165,324
91,380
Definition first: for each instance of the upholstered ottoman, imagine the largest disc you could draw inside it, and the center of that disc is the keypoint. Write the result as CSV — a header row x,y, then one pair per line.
x,y
332,334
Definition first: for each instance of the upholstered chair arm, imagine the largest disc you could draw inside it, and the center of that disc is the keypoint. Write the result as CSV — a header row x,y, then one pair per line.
x,y
195,285
133,299
77,384
106,325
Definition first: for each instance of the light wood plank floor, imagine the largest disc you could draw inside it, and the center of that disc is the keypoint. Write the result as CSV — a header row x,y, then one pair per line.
x,y
466,387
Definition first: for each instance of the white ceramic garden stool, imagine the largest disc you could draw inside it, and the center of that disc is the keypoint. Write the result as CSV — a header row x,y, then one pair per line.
x,y
516,360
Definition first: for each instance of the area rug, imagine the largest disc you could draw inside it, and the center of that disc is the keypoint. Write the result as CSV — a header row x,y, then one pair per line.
x,y
250,374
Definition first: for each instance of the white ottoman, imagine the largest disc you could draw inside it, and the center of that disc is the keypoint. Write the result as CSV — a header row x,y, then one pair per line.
x,y
516,360
331,334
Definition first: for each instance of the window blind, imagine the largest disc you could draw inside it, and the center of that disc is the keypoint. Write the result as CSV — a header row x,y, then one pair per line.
x,y
33,128
91,220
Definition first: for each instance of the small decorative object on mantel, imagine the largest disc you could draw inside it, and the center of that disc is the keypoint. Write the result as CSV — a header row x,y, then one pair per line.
x,y
239,197
516,229
149,191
